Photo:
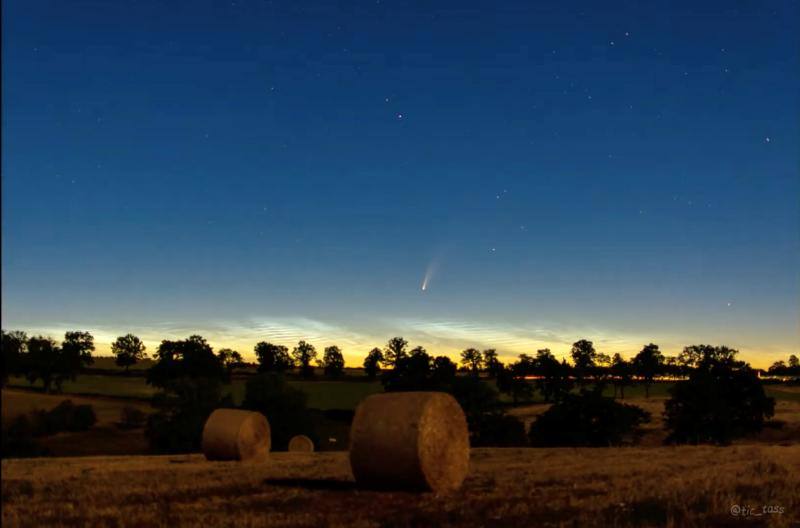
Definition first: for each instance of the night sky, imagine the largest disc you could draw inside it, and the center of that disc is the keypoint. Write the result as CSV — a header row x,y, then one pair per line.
x,y
549,171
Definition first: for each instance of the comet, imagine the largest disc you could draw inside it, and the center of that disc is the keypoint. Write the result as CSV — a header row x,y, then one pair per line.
x,y
429,274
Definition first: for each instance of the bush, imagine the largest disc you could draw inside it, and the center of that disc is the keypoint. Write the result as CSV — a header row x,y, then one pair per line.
x,y
65,416
82,418
717,404
131,418
283,405
18,439
488,424
183,408
587,419
497,429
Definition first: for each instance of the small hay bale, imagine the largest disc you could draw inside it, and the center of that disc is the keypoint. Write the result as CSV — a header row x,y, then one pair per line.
x,y
301,444
410,440
231,434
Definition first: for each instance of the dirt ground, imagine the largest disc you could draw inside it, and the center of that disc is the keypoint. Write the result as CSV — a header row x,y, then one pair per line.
x,y
660,486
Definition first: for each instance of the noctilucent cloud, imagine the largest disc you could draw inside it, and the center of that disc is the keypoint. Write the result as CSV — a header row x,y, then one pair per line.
x,y
513,175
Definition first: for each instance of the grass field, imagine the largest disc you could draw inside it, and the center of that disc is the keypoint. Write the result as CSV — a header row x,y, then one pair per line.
x,y
684,486
322,395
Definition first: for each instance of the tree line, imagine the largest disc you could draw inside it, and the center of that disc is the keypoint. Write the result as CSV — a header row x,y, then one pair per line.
x,y
720,398
40,358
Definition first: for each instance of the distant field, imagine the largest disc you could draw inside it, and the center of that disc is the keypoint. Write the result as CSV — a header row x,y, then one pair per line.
x,y
663,486
106,437
321,394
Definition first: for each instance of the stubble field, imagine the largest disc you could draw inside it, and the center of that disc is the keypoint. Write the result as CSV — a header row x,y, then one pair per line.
x,y
659,486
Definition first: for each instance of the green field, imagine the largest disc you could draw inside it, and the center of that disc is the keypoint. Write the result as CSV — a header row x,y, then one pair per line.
x,y
322,395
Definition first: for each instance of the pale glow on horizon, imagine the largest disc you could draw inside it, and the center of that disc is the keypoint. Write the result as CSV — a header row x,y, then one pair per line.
x,y
443,337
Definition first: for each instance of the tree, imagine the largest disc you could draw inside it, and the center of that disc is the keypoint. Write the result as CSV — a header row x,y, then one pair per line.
x,y
14,345
512,381
372,363
181,413
394,351
621,373
230,360
794,362
333,362
492,363
553,377
283,405
648,364
191,358
411,372
704,356
42,361
304,353
778,368
76,353
443,371
472,359
129,350
273,358
722,400
587,419
488,424
583,358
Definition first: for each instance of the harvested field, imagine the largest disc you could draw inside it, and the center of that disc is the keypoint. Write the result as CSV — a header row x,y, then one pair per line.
x,y
672,486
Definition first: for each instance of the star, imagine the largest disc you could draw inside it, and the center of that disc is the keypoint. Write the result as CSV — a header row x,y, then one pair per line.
x,y
399,116
767,139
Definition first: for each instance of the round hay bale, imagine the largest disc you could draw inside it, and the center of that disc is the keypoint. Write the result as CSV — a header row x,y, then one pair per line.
x,y
231,434
301,444
410,440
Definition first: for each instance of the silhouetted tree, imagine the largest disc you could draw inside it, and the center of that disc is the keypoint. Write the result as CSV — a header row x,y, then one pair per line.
x,y
512,381
182,409
443,371
372,363
587,419
411,372
553,379
779,367
14,344
395,350
76,353
303,354
488,424
794,362
53,364
42,361
621,371
283,405
472,359
333,362
583,358
492,364
191,358
723,399
230,359
648,364
273,358
128,350
702,356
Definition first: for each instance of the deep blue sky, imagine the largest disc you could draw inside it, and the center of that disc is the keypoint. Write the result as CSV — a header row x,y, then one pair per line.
x,y
278,170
